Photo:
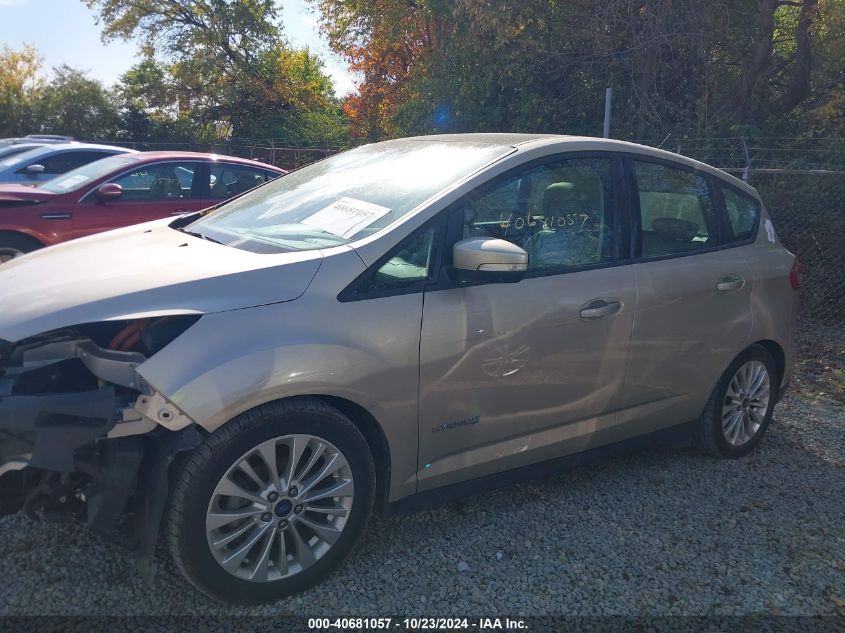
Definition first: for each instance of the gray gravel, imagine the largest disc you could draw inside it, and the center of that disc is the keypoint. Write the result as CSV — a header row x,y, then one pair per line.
x,y
660,533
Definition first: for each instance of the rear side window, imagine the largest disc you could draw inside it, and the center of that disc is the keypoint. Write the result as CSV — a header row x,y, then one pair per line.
x,y
743,212
227,180
676,211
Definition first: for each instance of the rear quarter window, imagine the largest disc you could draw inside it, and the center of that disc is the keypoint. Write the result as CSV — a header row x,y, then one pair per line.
x,y
743,213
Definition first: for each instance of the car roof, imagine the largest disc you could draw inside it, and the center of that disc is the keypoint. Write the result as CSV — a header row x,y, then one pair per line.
x,y
178,155
526,141
50,148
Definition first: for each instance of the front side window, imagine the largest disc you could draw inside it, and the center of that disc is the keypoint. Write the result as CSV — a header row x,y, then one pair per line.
x,y
743,212
161,181
228,180
62,163
676,212
346,197
561,213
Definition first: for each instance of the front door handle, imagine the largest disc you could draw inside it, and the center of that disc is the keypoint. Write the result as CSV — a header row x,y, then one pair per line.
x,y
598,308
179,212
730,283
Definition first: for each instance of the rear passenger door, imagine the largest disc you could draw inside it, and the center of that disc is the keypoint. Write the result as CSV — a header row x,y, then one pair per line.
x,y
693,294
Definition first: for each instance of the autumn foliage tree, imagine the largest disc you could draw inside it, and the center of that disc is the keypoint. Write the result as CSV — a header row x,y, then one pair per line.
x,y
682,67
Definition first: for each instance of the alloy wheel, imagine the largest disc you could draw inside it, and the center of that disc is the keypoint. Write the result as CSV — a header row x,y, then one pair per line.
x,y
746,403
280,508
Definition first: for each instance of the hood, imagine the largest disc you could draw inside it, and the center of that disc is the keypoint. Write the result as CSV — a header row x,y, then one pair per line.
x,y
23,194
144,270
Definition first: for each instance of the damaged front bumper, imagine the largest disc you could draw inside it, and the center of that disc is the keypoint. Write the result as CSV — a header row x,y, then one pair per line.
x,y
84,438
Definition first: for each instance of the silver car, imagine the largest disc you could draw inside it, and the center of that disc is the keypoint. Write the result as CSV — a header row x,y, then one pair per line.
x,y
46,161
389,327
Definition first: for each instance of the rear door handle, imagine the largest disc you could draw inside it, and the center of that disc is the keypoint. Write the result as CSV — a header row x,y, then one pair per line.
x,y
56,216
732,282
598,308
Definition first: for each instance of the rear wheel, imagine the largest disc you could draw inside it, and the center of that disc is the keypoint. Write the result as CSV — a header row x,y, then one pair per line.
x,y
740,408
14,245
272,502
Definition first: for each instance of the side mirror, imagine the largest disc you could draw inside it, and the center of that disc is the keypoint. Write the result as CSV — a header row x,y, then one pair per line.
x,y
488,260
34,169
109,191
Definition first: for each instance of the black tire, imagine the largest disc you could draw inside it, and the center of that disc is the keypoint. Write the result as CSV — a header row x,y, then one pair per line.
x,y
14,244
710,437
196,481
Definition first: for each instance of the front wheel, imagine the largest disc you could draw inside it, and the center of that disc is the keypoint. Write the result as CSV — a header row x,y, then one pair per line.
x,y
740,408
14,245
272,502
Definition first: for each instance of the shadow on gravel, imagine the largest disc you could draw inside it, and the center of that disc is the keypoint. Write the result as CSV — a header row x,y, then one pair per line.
x,y
658,533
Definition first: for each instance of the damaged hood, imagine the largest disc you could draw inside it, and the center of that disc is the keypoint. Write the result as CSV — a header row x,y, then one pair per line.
x,y
144,270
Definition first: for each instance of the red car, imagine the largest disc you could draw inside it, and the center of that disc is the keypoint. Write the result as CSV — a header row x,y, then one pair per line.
x,y
119,191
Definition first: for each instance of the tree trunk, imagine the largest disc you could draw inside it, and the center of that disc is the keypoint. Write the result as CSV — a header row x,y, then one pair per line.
x,y
759,59
799,85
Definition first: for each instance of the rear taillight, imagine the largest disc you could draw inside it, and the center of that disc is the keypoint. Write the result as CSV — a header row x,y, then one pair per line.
x,y
795,275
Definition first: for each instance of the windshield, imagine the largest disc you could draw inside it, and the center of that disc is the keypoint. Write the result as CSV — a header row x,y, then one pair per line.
x,y
81,176
345,197
7,152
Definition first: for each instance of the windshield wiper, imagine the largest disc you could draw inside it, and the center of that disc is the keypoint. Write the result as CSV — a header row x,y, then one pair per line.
x,y
201,236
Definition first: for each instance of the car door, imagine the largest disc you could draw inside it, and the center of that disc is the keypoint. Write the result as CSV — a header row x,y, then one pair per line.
x,y
516,373
694,312
149,192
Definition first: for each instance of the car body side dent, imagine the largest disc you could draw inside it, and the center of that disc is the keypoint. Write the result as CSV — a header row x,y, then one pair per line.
x,y
214,371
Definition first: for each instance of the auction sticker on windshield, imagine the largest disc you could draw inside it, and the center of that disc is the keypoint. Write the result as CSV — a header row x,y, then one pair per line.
x,y
347,216
67,183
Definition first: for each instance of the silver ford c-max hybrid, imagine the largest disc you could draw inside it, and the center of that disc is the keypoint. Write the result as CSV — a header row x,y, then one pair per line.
x,y
409,319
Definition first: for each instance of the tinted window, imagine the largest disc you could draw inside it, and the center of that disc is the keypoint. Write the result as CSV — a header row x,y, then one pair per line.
x,y
560,213
161,181
61,163
743,211
676,213
228,180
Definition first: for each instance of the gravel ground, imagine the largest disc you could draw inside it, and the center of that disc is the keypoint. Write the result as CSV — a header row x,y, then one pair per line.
x,y
659,533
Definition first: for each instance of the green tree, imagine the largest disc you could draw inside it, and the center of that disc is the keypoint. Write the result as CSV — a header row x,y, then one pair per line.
x,y
685,67
21,85
226,70
77,105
